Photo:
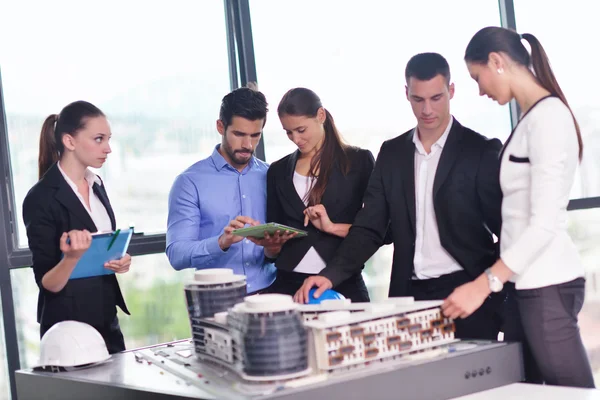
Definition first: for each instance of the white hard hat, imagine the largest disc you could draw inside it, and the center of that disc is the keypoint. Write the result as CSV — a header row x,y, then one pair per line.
x,y
72,344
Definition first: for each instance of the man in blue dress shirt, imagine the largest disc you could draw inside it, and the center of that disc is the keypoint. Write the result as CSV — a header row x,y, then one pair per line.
x,y
221,193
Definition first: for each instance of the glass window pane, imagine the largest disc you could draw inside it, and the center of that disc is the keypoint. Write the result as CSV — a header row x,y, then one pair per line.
x,y
584,227
158,73
156,300
153,293
356,63
25,295
572,72
4,382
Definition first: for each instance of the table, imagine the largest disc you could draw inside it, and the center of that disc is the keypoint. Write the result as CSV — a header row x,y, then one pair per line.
x,y
130,375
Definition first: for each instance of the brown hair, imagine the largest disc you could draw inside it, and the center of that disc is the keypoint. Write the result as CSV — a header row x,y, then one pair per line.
x,y
305,102
503,40
71,119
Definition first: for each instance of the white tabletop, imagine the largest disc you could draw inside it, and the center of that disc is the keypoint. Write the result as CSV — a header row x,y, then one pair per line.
x,y
534,392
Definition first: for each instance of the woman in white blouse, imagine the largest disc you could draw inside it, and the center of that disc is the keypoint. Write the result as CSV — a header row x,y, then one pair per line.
x,y
538,164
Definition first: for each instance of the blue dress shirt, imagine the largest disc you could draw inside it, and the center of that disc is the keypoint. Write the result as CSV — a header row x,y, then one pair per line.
x,y
202,201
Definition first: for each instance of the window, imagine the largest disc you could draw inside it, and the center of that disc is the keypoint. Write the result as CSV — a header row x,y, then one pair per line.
x,y
153,293
574,73
584,227
4,386
356,63
25,295
157,72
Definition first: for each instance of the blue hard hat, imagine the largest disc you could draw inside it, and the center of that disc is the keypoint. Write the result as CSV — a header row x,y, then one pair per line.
x,y
326,295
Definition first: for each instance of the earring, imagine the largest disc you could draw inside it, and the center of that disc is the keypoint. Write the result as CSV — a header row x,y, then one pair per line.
x,y
500,71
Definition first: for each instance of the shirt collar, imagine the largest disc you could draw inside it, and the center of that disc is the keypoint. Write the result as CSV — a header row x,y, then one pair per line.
x,y
439,143
220,162
89,176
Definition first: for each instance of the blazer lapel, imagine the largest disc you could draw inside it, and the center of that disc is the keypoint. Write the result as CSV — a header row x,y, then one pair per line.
x,y
289,190
101,193
69,199
407,171
449,155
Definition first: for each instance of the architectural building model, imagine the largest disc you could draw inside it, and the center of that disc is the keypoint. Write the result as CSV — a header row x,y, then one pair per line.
x,y
269,338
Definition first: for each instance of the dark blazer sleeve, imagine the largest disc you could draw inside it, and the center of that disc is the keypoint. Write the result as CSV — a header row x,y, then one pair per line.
x,y
274,209
43,236
367,232
367,170
488,186
369,165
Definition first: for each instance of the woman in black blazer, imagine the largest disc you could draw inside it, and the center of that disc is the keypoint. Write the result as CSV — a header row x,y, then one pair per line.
x,y
70,202
318,188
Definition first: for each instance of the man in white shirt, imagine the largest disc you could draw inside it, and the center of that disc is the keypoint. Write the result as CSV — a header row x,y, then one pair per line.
x,y
436,187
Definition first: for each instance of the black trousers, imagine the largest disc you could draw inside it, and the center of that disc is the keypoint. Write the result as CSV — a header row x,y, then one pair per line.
x,y
551,331
514,332
111,333
353,288
485,323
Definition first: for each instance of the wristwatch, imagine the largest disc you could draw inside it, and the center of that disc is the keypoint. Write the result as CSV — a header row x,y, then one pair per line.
x,y
495,283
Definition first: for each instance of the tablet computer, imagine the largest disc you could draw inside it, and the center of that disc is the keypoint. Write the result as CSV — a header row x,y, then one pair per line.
x,y
272,227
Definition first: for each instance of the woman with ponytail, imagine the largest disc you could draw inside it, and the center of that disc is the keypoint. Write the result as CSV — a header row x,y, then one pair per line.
x,y
319,188
538,164
68,203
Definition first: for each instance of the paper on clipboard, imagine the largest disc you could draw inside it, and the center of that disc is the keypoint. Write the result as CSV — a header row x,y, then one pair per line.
x,y
93,260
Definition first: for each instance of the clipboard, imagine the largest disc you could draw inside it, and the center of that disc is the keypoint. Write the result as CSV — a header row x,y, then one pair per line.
x,y
105,247
272,227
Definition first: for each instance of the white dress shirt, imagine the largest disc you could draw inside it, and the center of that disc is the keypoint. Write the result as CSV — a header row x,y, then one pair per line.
x,y
431,259
97,211
537,171
311,263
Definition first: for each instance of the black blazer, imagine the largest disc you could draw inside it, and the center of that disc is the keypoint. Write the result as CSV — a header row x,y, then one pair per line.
x,y
466,199
51,208
342,199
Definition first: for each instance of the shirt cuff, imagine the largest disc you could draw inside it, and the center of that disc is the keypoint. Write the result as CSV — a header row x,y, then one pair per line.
x,y
213,246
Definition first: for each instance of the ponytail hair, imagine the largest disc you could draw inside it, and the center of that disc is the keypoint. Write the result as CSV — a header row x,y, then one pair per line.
x,y
545,75
304,102
48,149
71,119
503,40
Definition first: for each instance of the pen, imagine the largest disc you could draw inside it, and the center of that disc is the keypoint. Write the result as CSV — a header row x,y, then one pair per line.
x,y
112,241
